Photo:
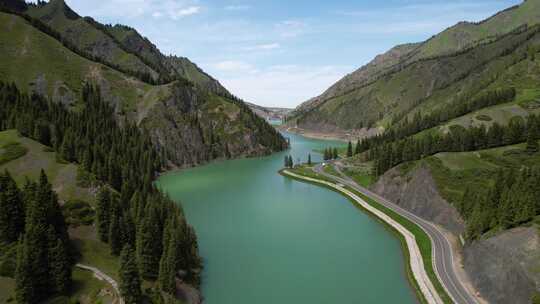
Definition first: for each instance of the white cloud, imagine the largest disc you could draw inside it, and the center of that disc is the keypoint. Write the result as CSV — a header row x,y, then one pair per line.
x,y
233,66
280,85
239,7
184,12
263,47
157,15
291,28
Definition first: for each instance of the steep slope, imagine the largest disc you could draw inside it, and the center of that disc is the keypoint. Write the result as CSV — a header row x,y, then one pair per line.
x,y
86,36
200,125
410,74
172,66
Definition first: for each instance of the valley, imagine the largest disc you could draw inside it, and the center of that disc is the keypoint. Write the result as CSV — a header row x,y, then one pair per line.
x,y
128,174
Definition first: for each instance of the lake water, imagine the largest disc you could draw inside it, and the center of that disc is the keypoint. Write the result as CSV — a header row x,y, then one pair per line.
x,y
267,239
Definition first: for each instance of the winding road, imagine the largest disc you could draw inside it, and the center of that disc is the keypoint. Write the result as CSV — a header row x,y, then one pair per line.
x,y
102,276
443,259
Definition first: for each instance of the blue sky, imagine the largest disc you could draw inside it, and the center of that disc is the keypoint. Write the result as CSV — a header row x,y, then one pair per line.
x,y
281,53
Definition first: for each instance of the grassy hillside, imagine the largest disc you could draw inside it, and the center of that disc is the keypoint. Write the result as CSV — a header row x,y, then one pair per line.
x,y
86,36
156,107
435,83
455,171
33,157
461,61
63,176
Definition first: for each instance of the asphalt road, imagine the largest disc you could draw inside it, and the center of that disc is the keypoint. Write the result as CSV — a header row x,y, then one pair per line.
x,y
442,251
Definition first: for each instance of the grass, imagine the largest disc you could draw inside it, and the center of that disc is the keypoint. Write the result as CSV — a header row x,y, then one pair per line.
x,y
455,171
63,176
10,149
360,172
330,170
45,58
7,286
96,254
422,239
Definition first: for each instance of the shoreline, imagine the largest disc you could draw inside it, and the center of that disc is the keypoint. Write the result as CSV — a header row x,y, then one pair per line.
x,y
344,136
417,274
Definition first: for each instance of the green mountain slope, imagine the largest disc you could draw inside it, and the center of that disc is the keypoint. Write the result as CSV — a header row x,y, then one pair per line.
x,y
410,74
172,66
200,126
82,33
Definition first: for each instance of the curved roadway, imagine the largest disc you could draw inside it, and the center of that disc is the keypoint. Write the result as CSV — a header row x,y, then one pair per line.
x,y
443,260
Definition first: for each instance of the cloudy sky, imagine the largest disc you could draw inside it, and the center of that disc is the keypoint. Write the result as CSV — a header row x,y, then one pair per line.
x,y
280,53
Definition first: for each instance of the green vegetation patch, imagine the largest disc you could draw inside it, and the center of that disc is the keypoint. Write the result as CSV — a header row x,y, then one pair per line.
x,y
7,286
78,212
483,117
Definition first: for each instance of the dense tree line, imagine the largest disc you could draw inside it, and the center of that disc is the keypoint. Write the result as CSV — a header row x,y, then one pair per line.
x,y
330,154
32,217
131,212
458,139
422,122
514,199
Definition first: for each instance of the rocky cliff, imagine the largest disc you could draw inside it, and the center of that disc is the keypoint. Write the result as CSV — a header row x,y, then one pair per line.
x,y
504,268
416,191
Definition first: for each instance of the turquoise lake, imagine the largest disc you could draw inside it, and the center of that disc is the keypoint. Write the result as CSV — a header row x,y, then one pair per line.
x,y
267,239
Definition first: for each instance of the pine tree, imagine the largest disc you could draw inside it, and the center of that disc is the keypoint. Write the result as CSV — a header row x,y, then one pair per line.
x,y
130,280
59,267
169,260
149,245
11,210
103,213
309,159
24,278
335,153
115,230
349,150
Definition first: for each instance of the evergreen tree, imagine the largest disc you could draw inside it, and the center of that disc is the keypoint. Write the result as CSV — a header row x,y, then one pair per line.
x,y
24,278
309,159
103,213
335,153
60,268
130,281
115,230
11,210
149,245
349,150
169,260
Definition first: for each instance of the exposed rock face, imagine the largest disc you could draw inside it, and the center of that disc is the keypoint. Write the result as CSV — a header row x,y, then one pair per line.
x,y
417,192
193,128
506,268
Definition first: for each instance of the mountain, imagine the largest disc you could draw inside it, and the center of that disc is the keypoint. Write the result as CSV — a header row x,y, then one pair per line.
x,y
420,76
457,125
269,113
188,113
